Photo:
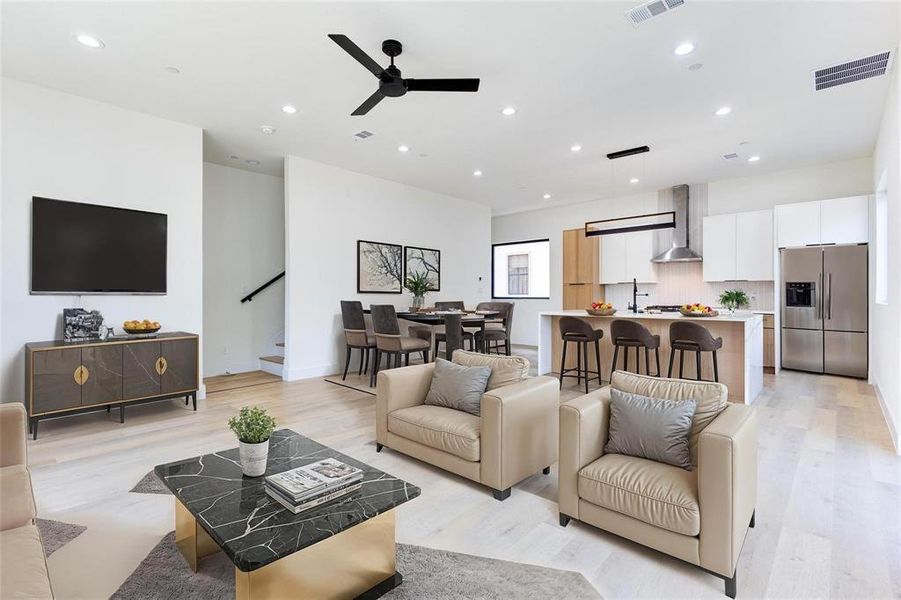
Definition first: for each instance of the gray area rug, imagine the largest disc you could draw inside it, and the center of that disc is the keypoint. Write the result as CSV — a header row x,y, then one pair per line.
x,y
428,573
150,484
56,534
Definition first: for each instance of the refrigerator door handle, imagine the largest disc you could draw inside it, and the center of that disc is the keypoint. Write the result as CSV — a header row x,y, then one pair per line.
x,y
829,296
820,299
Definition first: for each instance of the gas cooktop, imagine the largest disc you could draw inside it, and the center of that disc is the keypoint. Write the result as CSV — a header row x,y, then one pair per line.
x,y
664,307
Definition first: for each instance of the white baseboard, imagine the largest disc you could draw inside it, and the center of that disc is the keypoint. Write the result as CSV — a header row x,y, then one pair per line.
x,y
311,372
886,414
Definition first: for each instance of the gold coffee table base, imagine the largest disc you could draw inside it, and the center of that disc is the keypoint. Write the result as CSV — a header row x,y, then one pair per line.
x,y
347,565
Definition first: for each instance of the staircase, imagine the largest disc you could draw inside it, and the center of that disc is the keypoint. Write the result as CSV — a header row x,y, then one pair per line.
x,y
275,363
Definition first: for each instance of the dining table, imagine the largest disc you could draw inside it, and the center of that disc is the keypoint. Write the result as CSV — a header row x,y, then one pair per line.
x,y
474,319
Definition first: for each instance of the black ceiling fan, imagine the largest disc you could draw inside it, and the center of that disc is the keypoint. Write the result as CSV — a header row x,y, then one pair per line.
x,y
390,81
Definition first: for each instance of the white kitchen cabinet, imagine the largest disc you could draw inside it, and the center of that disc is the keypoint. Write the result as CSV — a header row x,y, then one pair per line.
x,y
754,245
625,256
739,247
835,221
719,248
845,220
798,224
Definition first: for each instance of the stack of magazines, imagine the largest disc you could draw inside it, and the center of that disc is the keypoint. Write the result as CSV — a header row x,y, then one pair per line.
x,y
312,485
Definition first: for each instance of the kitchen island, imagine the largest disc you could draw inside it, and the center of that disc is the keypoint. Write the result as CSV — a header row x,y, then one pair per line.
x,y
740,359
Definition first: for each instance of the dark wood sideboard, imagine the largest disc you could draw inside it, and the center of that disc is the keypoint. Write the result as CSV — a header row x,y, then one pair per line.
x,y
64,378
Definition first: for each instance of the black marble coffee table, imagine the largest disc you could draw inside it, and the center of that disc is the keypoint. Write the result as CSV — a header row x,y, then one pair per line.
x,y
344,549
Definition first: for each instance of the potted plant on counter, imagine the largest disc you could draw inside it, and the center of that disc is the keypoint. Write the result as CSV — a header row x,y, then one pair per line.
x,y
253,426
733,299
418,285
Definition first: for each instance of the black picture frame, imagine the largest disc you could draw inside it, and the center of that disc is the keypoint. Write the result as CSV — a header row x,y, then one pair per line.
x,y
396,271
437,254
493,246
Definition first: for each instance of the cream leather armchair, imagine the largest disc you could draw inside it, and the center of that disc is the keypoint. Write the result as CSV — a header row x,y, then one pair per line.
x,y
699,516
22,561
514,438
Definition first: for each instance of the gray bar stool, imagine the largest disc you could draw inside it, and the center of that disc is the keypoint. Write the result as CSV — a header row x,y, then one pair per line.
x,y
629,334
576,330
692,337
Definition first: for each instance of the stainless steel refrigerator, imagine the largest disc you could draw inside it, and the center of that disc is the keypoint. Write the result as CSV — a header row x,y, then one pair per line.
x,y
824,309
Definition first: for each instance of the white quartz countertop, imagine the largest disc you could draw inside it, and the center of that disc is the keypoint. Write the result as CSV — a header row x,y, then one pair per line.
x,y
742,316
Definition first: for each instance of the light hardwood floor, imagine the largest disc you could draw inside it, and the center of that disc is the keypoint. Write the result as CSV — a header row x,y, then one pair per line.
x,y
828,517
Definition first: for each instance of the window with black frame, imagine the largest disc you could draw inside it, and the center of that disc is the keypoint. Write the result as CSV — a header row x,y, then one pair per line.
x,y
521,269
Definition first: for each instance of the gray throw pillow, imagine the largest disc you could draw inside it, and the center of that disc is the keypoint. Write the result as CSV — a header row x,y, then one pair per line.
x,y
458,387
650,428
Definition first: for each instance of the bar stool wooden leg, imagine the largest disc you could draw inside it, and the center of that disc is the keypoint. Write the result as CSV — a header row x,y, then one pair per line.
x,y
647,361
615,355
578,363
716,371
672,355
698,364
657,360
626,358
585,359
563,363
681,363
597,359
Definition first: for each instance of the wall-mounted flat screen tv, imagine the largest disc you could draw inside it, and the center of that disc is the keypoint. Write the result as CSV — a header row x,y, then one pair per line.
x,y
89,249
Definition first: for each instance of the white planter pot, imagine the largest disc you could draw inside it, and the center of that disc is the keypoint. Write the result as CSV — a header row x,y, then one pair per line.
x,y
253,457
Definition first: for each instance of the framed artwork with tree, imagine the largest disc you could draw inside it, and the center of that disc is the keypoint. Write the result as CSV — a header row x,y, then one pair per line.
x,y
423,261
380,268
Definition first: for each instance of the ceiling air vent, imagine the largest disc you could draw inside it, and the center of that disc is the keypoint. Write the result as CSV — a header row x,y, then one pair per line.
x,y
730,156
855,70
649,10
362,135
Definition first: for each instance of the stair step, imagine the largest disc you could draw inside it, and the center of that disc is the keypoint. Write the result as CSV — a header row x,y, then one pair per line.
x,y
274,359
280,344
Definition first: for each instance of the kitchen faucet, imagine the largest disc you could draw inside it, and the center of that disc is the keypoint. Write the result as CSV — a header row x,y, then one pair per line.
x,y
634,306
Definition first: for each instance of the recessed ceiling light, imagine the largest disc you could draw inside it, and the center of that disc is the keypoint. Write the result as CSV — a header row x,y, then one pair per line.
x,y
252,163
695,67
267,129
477,173
744,143
173,70
288,109
89,40
508,111
723,110
633,180
575,148
403,148
684,48
547,196
234,157
754,158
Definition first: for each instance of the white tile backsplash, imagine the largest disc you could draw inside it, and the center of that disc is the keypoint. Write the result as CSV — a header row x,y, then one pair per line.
x,y
683,283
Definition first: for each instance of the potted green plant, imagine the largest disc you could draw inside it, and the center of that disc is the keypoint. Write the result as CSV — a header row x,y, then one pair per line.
x,y
253,426
733,299
418,285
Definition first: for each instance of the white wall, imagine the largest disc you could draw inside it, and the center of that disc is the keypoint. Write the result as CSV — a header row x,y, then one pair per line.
x,y
243,247
66,147
848,178
885,324
327,210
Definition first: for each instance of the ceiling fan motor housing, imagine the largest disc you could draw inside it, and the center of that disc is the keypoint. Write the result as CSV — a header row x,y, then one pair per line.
x,y
391,83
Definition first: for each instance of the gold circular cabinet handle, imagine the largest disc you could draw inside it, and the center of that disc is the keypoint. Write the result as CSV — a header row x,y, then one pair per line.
x,y
81,375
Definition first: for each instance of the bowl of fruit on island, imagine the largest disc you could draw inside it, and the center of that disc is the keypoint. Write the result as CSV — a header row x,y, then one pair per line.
x,y
144,326
697,310
600,309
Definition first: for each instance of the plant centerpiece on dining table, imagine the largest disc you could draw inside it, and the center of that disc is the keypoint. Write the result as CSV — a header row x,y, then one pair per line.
x,y
253,426
733,299
418,285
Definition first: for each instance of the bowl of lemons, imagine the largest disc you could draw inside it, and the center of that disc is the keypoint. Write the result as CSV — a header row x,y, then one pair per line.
x,y
145,326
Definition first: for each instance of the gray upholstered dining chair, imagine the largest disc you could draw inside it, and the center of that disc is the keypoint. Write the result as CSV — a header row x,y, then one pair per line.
x,y
501,332
390,343
355,335
425,332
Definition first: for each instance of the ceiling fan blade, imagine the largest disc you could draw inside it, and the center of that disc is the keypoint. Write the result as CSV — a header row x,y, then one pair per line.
x,y
442,85
354,50
368,104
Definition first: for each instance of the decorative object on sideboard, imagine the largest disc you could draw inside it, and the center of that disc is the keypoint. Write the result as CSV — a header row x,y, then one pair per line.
x,y
253,426
732,299
141,327
418,285
600,309
80,324
423,260
380,268
697,310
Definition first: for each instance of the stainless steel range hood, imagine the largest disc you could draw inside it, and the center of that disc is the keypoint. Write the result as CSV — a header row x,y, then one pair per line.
x,y
680,252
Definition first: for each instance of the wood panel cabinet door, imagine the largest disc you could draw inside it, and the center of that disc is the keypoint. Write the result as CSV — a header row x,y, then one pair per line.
x,y
56,380
570,256
101,374
578,296
139,363
580,257
179,366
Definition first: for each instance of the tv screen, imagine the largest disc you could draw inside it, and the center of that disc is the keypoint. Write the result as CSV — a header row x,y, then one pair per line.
x,y
90,249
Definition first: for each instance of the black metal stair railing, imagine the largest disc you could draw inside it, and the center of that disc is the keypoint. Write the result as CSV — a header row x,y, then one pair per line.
x,y
249,297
